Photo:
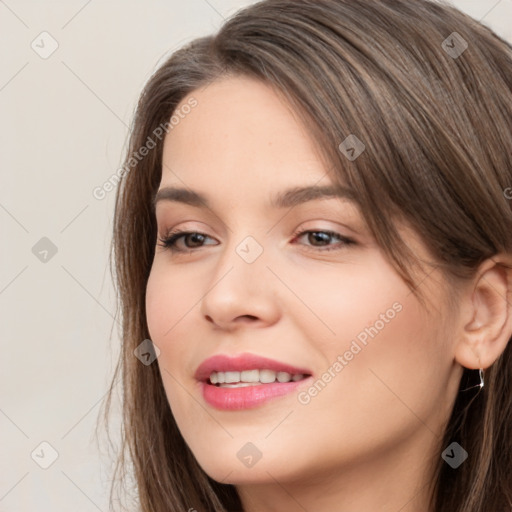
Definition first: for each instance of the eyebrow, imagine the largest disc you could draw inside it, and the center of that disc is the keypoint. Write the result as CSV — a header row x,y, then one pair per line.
x,y
286,199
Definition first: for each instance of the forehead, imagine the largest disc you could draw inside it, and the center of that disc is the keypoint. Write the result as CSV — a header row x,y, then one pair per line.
x,y
244,127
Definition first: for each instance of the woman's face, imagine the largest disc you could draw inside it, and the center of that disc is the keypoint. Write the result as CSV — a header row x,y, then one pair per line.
x,y
382,373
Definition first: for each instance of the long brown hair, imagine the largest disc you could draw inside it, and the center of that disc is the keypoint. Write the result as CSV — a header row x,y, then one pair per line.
x,y
428,91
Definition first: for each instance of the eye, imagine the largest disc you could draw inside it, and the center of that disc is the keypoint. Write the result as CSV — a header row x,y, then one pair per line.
x,y
193,237
319,240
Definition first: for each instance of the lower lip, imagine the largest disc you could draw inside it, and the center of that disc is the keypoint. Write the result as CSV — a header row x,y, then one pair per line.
x,y
247,397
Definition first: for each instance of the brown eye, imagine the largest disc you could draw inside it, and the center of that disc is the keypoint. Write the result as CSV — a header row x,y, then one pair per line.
x,y
321,239
192,240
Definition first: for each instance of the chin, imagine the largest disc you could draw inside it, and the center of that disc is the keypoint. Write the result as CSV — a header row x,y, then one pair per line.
x,y
236,475
237,467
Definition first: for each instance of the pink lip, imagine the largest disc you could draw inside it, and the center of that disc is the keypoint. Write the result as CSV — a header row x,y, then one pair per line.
x,y
249,396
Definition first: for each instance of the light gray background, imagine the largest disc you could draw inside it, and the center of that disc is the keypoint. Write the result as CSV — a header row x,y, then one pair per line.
x,y
63,126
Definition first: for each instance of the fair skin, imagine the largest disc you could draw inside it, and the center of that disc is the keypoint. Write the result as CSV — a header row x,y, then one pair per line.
x,y
365,441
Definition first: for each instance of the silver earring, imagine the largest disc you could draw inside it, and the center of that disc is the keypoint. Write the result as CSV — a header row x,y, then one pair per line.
x,y
482,383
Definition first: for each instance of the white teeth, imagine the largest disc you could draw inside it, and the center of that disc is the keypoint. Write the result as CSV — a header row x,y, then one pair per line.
x,y
232,377
247,377
250,376
267,376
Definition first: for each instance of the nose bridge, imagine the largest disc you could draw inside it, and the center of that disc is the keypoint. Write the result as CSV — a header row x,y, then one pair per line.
x,y
244,254
239,285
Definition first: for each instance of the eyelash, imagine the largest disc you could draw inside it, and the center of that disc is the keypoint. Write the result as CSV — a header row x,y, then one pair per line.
x,y
169,242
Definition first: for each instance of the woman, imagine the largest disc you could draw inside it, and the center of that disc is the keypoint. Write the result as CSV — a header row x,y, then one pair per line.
x,y
313,250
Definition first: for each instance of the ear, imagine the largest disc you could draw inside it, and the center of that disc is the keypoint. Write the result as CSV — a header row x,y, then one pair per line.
x,y
487,314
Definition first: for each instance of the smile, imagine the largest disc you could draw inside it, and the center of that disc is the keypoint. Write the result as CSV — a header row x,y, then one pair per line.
x,y
246,381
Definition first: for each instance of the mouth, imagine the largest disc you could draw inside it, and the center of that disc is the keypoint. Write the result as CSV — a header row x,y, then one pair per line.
x,y
247,369
247,380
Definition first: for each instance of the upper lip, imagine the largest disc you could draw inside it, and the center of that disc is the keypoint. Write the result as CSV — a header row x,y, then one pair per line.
x,y
240,362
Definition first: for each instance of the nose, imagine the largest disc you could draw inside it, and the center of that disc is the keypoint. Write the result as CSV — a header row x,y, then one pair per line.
x,y
240,293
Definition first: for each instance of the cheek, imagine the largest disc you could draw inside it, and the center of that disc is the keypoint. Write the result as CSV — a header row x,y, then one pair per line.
x,y
339,302
159,306
379,348
169,298
172,302
388,380
168,302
